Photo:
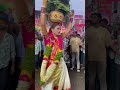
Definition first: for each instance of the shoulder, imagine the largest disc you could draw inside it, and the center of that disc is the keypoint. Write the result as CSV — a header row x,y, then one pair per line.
x,y
78,39
104,30
89,28
9,36
38,41
72,38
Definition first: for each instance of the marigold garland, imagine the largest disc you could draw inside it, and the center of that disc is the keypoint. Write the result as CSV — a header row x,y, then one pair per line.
x,y
54,52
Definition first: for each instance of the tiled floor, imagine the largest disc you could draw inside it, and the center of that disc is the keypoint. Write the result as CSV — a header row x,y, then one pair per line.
x,y
77,80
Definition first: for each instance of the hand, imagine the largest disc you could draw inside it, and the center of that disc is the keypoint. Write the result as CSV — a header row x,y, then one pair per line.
x,y
12,69
45,2
72,14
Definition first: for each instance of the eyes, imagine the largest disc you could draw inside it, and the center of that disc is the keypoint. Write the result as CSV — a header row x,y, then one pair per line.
x,y
58,28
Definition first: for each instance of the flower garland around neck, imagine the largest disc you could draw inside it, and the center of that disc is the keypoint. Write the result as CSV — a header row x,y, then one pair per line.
x,y
52,53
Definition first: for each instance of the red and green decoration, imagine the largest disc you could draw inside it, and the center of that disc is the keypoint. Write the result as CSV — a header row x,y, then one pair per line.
x,y
48,51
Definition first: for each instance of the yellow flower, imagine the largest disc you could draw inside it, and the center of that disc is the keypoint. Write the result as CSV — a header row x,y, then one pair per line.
x,y
48,45
45,57
59,50
56,61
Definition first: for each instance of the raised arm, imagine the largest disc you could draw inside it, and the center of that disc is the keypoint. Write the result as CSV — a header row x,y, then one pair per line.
x,y
69,26
43,17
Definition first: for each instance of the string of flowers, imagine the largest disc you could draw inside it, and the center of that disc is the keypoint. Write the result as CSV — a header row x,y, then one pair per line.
x,y
47,74
44,63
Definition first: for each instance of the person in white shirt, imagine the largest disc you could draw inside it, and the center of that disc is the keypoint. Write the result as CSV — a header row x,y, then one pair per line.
x,y
75,44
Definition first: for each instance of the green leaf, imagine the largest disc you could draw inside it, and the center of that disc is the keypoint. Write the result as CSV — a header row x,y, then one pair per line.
x,y
61,5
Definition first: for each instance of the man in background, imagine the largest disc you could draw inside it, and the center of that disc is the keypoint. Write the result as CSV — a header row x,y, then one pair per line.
x,y
98,39
7,51
75,43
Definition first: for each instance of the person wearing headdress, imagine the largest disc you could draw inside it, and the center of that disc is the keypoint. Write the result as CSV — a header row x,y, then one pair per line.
x,y
54,74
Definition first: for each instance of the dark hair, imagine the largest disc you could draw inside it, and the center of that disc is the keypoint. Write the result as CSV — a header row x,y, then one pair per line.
x,y
115,11
4,17
97,14
78,34
54,25
72,11
104,20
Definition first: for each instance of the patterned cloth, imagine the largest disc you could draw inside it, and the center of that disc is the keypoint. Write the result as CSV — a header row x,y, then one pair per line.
x,y
7,50
37,47
65,50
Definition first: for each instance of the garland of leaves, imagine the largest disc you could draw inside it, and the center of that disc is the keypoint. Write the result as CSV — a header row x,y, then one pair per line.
x,y
48,51
58,55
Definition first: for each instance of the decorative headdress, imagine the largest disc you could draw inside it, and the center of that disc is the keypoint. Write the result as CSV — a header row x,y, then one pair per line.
x,y
56,17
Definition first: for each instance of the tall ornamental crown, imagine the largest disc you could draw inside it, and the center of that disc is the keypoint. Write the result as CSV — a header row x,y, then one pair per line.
x,y
56,17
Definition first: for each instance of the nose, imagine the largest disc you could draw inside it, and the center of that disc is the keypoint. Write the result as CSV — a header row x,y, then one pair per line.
x,y
59,31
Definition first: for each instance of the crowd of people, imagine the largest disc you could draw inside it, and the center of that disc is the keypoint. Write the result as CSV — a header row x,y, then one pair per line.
x,y
102,54
39,49
11,51
74,51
